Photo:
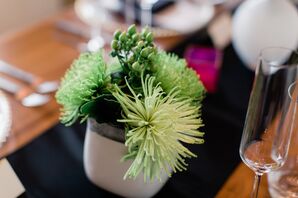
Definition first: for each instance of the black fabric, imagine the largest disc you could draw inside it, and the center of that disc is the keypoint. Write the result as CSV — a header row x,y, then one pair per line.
x,y
51,166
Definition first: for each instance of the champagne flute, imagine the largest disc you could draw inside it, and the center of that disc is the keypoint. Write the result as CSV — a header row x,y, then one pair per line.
x,y
267,130
93,13
146,12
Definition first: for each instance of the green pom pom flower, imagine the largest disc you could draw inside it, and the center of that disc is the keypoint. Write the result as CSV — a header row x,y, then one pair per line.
x,y
84,78
172,72
156,124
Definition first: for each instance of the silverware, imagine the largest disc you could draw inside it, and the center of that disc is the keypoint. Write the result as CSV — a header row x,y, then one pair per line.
x,y
40,86
24,95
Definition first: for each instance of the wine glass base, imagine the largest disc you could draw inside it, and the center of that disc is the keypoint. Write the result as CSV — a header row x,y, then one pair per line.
x,y
95,44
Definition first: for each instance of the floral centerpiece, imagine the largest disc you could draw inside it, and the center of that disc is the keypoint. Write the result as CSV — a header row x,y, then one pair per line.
x,y
149,93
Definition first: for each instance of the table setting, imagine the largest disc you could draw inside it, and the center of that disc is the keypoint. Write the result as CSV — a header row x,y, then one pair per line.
x,y
93,106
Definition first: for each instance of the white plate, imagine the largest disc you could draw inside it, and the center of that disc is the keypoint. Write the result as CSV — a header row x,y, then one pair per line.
x,y
5,118
185,17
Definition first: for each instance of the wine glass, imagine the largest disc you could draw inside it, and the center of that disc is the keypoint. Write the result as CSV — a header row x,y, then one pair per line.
x,y
129,11
93,13
267,130
146,12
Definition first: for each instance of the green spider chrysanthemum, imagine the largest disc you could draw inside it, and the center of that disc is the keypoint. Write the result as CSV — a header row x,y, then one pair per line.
x,y
171,71
86,75
156,124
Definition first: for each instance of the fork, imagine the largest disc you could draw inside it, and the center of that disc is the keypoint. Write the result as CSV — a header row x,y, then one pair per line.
x,y
39,85
24,95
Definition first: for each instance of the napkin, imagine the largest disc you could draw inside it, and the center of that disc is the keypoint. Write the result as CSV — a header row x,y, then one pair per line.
x,y
10,185
5,118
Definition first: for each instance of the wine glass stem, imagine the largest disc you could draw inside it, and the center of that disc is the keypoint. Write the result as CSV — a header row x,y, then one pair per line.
x,y
256,185
96,41
129,11
146,14
95,32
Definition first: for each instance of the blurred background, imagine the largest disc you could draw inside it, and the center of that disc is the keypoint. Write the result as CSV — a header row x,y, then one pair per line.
x,y
27,12
220,40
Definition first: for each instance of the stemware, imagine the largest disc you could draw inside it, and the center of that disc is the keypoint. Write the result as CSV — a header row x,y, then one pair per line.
x,y
129,11
267,130
93,13
146,12
283,183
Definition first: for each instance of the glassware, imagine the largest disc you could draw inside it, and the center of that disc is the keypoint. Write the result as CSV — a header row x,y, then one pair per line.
x,y
129,11
93,13
146,12
265,139
284,181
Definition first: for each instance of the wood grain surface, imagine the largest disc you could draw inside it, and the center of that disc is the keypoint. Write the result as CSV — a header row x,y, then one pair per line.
x,y
239,184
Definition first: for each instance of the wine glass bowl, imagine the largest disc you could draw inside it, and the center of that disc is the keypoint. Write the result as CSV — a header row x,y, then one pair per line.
x,y
267,130
258,157
284,181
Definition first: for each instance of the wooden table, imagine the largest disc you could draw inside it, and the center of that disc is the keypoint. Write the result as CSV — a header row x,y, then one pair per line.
x,y
239,184
39,50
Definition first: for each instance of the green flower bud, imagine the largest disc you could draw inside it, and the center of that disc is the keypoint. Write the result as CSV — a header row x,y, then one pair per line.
x,y
115,45
132,30
145,31
135,37
123,37
136,66
145,52
151,56
150,49
117,34
154,49
136,50
131,59
140,44
149,37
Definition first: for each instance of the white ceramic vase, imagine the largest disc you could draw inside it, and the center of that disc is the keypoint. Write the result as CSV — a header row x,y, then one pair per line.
x,y
103,150
258,24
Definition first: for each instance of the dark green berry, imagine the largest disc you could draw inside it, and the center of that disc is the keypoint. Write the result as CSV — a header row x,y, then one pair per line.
x,y
113,54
